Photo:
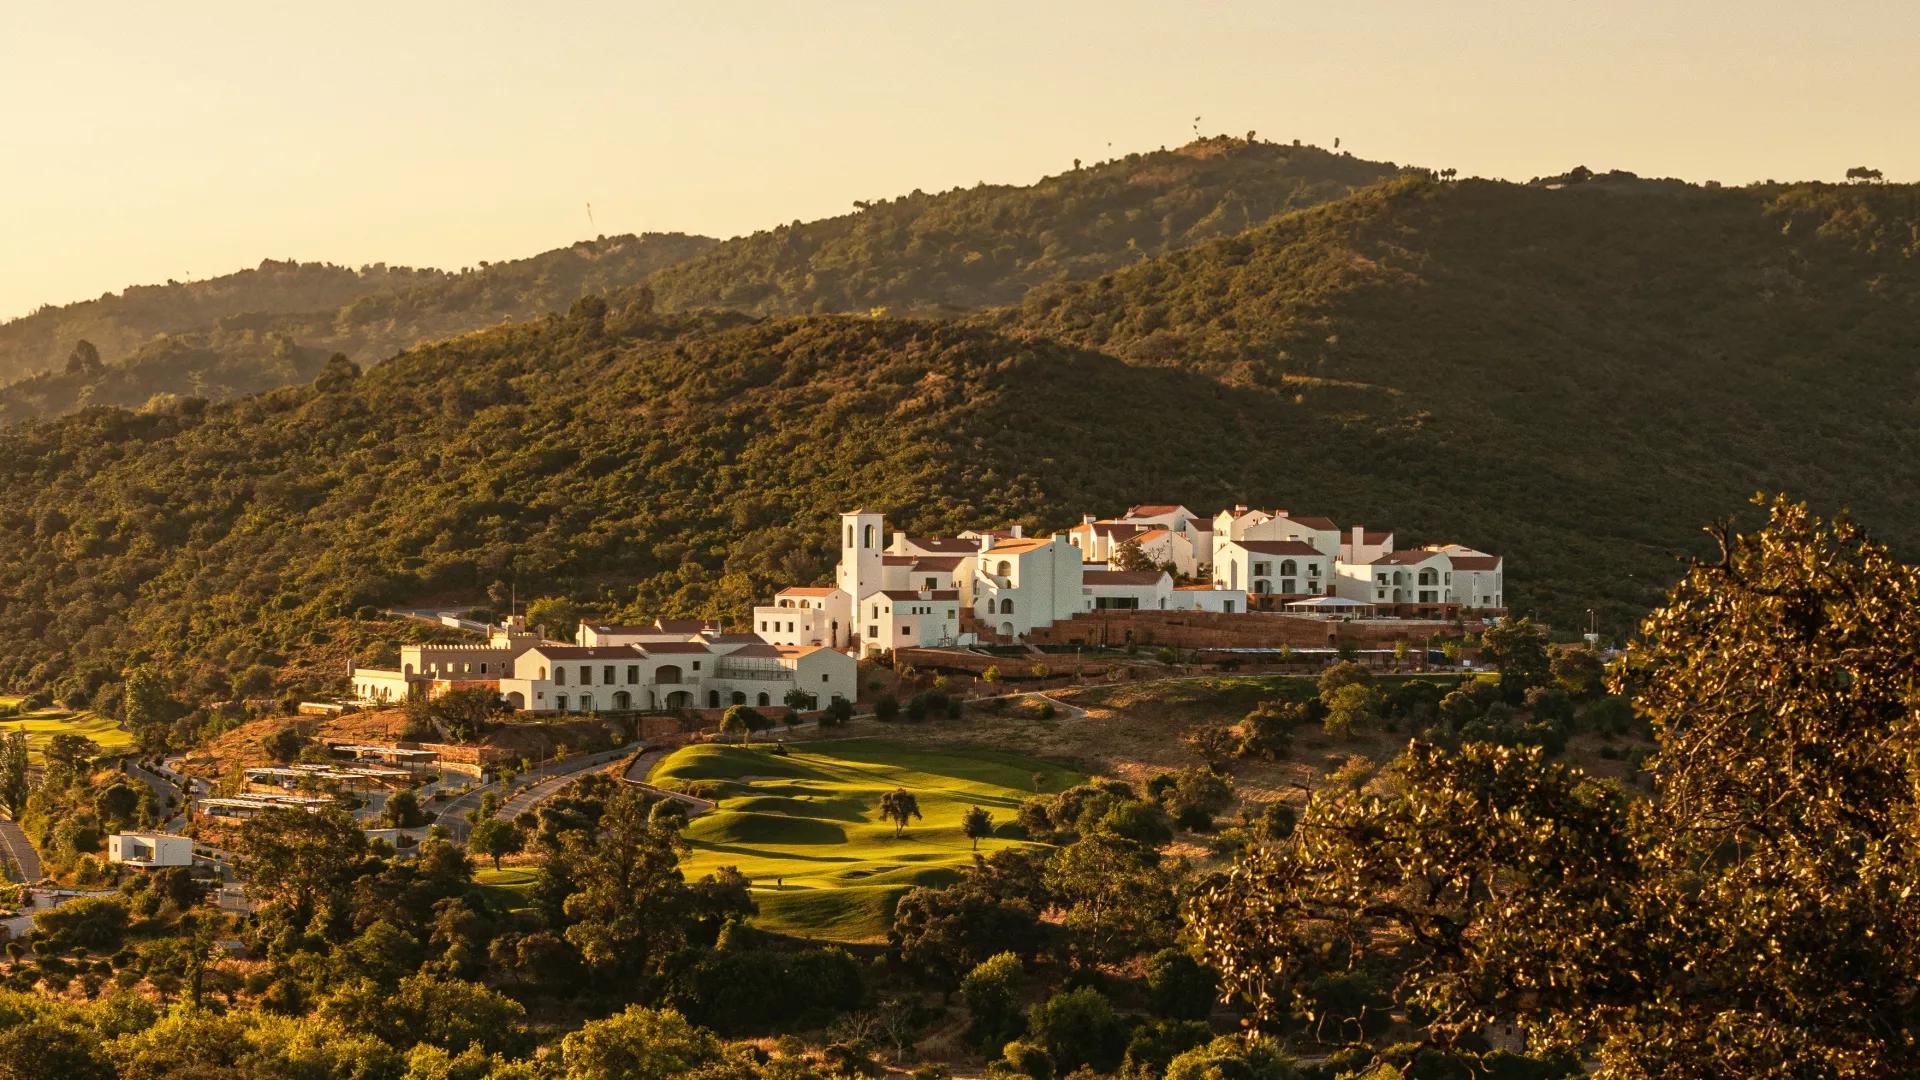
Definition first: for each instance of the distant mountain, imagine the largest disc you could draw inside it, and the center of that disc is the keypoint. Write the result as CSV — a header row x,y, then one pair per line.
x,y
968,248
245,350
918,254
119,323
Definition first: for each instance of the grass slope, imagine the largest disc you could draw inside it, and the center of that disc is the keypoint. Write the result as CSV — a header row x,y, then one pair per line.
x,y
811,819
44,724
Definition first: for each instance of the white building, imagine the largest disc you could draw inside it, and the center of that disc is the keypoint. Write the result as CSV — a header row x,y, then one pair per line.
x,y
147,850
674,675
1273,567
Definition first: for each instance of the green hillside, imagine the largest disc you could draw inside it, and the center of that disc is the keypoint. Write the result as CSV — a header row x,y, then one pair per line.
x,y
806,827
219,347
976,247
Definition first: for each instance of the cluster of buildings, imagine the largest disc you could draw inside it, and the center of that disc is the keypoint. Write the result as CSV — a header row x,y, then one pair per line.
x,y
1000,585
897,590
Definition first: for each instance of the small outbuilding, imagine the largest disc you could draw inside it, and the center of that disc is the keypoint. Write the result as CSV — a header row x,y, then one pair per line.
x,y
150,850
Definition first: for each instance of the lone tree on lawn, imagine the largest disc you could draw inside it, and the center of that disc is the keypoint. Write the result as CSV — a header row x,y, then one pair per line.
x,y
898,806
494,837
742,721
977,824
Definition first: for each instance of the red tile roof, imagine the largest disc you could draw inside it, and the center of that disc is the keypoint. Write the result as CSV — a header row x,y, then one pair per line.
x,y
1320,524
1279,547
1476,562
1408,558
1015,547
807,590
941,562
675,647
1154,509
685,626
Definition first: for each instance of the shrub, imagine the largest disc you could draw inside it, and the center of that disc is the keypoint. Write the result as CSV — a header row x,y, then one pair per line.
x,y
1079,1027
1180,987
991,992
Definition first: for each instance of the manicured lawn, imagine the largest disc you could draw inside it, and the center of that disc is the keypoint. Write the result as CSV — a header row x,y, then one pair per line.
x,y
810,822
44,724
510,887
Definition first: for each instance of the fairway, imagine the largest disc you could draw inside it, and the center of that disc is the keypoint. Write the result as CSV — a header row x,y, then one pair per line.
x,y
510,887
811,821
46,723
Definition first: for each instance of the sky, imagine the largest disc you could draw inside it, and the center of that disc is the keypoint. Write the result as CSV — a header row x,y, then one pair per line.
x,y
141,142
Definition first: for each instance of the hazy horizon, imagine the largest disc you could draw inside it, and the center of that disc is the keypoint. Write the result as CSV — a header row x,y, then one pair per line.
x,y
167,146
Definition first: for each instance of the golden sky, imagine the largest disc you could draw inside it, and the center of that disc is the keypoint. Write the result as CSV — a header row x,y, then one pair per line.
x,y
145,141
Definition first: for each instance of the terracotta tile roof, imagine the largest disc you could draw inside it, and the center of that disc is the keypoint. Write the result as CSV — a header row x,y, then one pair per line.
x,y
1279,547
1408,558
1154,509
898,560
735,639
1476,562
1203,588
761,650
668,647
1375,536
1098,578
807,590
1321,524
794,651
941,562
1153,535
620,628
1015,547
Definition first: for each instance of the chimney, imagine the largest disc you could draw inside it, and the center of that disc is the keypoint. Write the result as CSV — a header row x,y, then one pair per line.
x,y
899,540
1086,519
1357,533
1019,531
1239,508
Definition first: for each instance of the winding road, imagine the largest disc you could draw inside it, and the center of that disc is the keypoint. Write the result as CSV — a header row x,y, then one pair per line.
x,y
23,863
532,789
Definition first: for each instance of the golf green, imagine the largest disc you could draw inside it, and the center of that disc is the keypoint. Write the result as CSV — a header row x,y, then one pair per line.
x,y
806,826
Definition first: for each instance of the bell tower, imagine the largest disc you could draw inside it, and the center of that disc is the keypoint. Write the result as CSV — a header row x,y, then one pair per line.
x,y
861,533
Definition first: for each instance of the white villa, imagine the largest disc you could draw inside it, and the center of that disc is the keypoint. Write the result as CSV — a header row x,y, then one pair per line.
x,y
667,664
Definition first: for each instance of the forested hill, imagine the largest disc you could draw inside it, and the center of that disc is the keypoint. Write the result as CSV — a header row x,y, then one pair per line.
x,y
219,347
118,323
1575,377
922,254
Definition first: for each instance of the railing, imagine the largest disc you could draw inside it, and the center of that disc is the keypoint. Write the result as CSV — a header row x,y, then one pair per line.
x,y
760,674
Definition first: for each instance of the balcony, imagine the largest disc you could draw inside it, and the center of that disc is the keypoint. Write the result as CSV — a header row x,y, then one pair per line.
x,y
754,674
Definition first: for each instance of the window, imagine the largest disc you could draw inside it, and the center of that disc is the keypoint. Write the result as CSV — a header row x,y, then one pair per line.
x,y
763,699
1261,569
933,583
1003,568
633,673
873,631
606,675
560,702
696,665
586,674
543,674
823,678
1288,568
849,536
869,539
1006,606
559,676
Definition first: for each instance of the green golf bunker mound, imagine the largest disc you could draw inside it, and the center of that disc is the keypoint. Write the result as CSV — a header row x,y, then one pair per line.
x,y
806,826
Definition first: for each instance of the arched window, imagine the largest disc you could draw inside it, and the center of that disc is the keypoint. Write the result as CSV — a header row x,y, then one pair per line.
x,y
586,702
849,536
1006,606
543,673
713,696
739,698
1003,568
764,699
869,537
559,676
1287,568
